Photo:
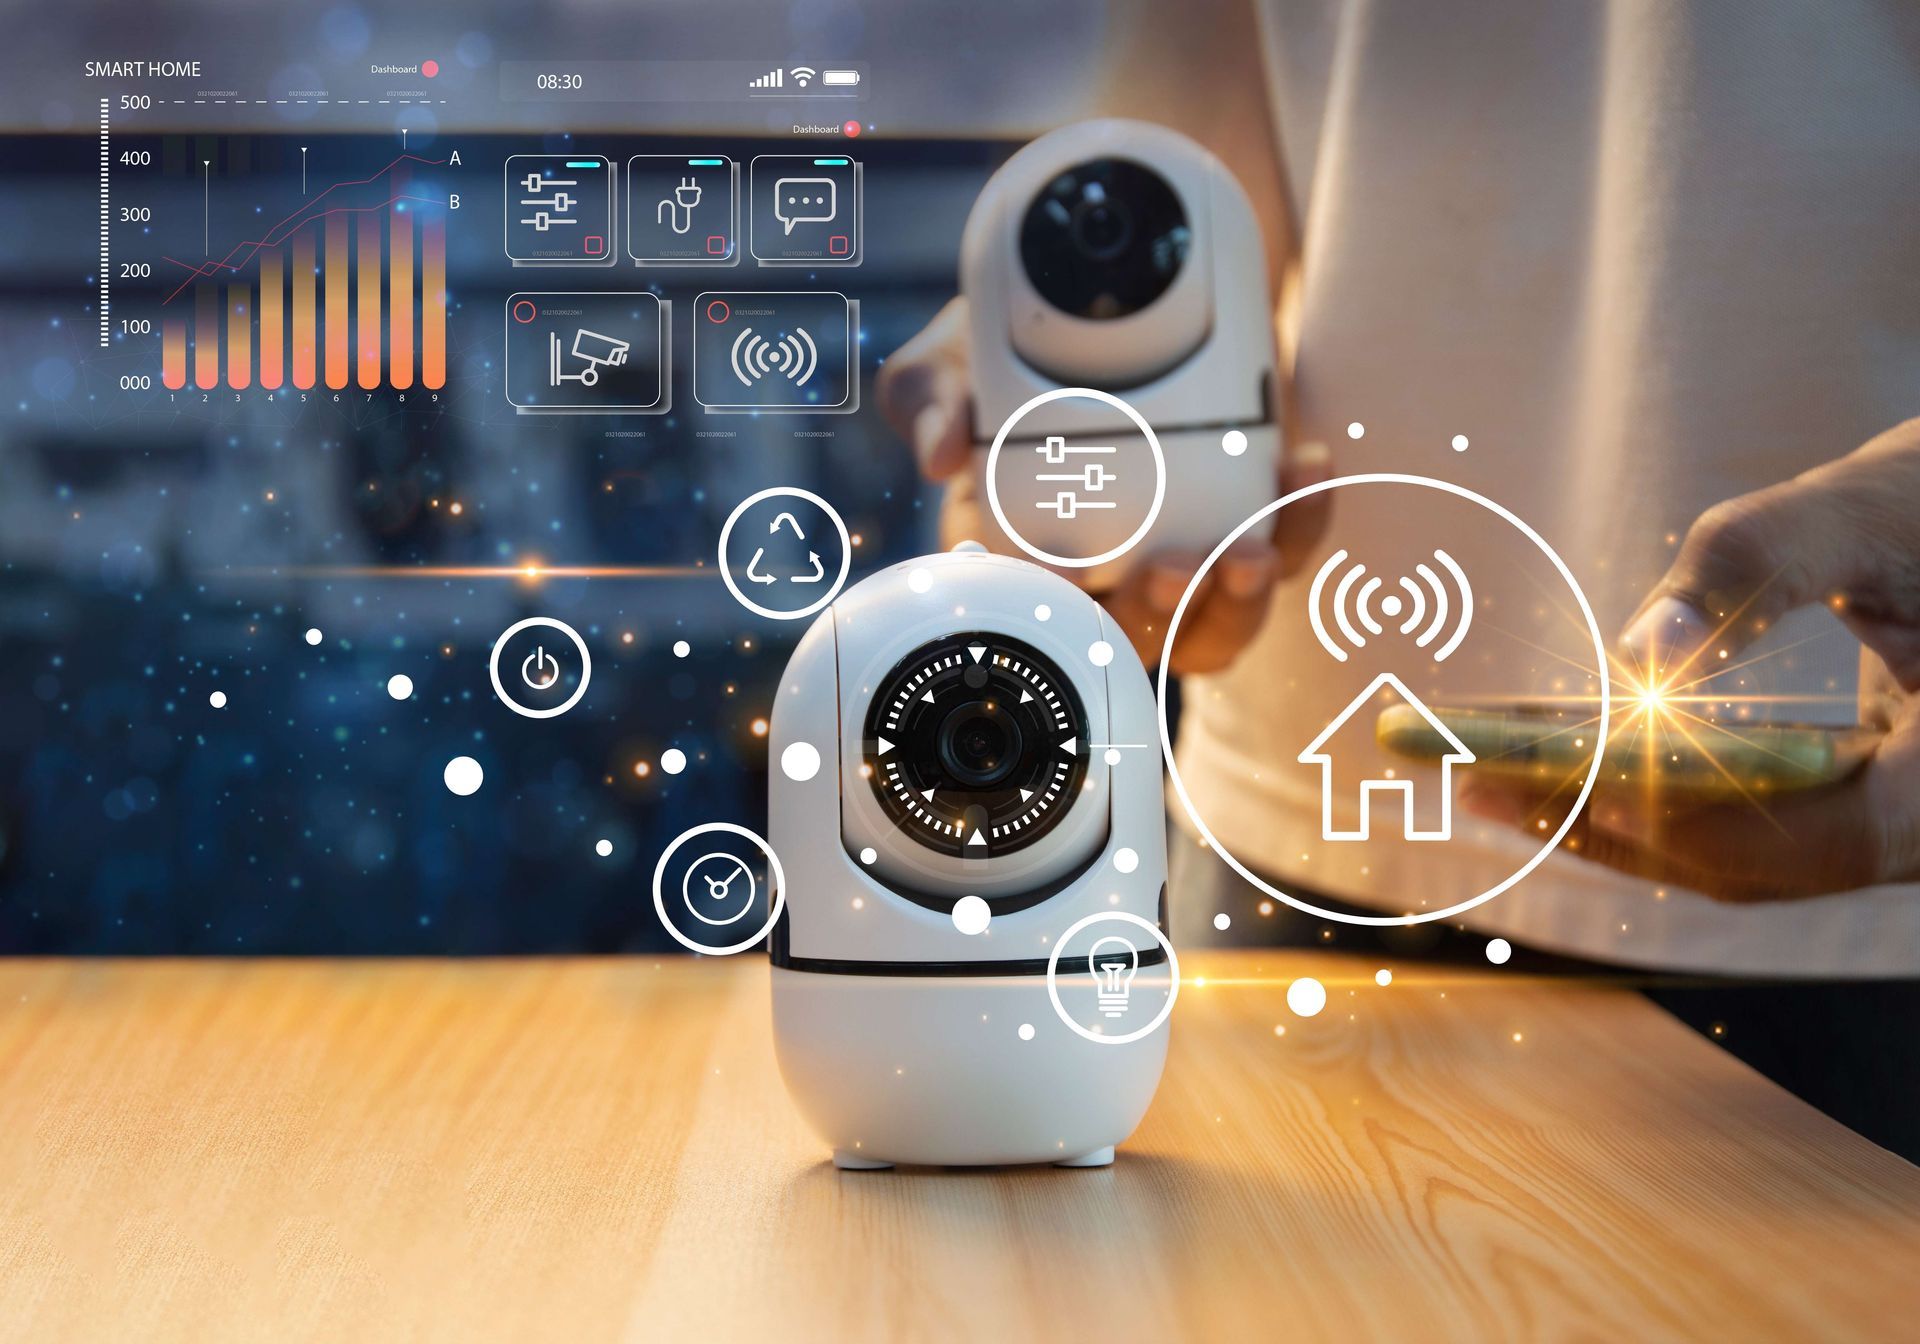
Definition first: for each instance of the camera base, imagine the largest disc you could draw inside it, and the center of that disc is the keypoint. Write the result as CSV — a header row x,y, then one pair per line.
x,y
934,1071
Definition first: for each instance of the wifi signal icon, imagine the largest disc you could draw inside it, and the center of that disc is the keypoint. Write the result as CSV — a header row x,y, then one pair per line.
x,y
803,75
793,356
1427,608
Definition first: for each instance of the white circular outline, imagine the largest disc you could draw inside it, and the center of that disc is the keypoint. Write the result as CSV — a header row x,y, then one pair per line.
x,y
686,896
1159,477
493,667
1526,530
776,906
1053,977
846,552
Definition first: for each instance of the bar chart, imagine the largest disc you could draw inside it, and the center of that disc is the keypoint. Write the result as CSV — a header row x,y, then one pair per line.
x,y
347,289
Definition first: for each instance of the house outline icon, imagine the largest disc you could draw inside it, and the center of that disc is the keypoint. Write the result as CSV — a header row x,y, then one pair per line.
x,y
1315,755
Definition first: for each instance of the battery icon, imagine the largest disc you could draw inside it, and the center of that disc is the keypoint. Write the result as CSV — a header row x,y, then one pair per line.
x,y
840,79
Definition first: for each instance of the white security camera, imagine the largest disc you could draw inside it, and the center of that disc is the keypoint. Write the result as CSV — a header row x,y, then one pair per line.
x,y
964,707
1121,256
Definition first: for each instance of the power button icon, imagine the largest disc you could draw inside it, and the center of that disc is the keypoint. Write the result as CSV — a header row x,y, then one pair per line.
x,y
540,670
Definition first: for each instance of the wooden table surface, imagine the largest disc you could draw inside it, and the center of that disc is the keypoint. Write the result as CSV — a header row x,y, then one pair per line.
x,y
593,1149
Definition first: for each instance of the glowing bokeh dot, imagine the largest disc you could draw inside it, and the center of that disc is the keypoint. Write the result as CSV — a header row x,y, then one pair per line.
x,y
919,578
603,847
218,699
400,686
1043,612
314,636
463,775
1111,756
1306,996
1125,860
673,760
800,761
1223,921
1100,652
1459,443
1383,977
869,854
1026,1031
1355,430
1498,951
971,915
1234,442
681,648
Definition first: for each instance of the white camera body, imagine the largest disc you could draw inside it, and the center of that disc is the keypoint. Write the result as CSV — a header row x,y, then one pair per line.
x,y
901,1037
1121,256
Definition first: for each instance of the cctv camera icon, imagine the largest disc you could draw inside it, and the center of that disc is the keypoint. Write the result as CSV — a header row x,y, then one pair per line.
x,y
593,349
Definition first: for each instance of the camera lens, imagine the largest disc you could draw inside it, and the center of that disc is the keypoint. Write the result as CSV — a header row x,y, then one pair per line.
x,y
979,744
1104,239
976,745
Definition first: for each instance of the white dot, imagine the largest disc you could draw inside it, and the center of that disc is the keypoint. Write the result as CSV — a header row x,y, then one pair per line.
x,y
218,699
1043,612
603,847
1223,921
1306,996
1390,604
314,636
1125,860
1355,430
869,854
971,915
1100,652
673,760
800,761
400,686
1234,442
1498,951
1459,443
1383,977
1026,1031
1111,756
919,578
681,648
463,775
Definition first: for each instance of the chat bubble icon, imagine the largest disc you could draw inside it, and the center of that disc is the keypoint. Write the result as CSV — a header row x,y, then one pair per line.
x,y
805,200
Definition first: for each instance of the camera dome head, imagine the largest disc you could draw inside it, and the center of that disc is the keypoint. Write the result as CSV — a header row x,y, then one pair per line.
x,y
1104,239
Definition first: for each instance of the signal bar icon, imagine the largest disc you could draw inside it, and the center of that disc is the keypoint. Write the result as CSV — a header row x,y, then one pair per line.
x,y
774,79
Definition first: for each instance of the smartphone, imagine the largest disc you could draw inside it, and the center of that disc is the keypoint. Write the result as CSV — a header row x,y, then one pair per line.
x,y
1705,761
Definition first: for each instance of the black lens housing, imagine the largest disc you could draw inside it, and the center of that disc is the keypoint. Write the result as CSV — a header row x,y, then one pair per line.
x,y
1104,239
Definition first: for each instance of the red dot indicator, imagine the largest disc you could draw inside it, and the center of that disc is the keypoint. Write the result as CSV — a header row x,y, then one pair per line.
x,y
429,68
718,311
852,129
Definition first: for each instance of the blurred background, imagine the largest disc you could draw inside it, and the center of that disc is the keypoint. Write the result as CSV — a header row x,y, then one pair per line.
x,y
155,549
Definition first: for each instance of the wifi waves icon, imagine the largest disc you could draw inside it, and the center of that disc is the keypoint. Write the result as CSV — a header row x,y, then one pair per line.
x,y
803,75
1429,607
793,356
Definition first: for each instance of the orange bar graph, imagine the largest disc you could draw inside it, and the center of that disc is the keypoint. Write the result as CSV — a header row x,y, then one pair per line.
x,y
336,280
433,302
239,338
367,263
400,297
173,353
206,336
272,328
306,336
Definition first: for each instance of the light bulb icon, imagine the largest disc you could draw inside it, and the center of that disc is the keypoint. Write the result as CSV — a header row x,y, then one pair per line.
x,y
1113,973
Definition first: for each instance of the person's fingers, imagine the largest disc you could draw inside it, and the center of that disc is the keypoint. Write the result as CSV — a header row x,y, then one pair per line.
x,y
1144,600
1301,524
1846,533
922,392
1224,614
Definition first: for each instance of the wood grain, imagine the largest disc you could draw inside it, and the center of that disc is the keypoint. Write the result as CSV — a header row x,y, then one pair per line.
x,y
602,1149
